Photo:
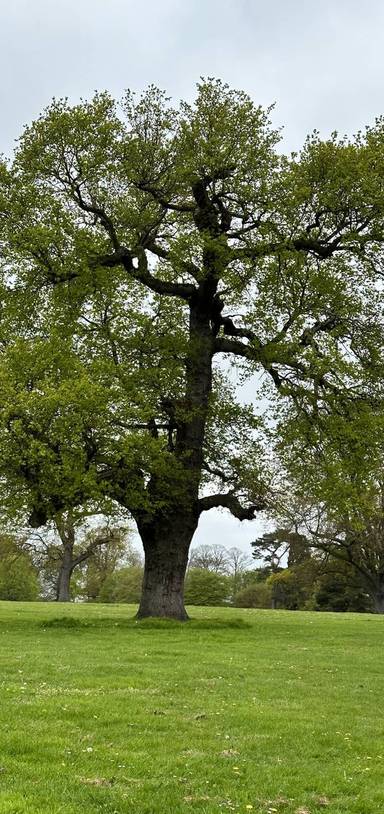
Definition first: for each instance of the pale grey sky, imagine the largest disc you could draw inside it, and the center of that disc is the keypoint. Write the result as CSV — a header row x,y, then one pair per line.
x,y
322,63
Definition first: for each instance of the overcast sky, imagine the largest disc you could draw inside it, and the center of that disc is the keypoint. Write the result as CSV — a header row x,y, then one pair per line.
x,y
322,63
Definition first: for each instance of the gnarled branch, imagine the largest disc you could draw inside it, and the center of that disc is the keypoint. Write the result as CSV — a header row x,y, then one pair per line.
x,y
229,501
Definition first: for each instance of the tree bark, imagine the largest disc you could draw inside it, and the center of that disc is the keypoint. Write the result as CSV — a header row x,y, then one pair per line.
x,y
66,531
166,545
378,600
63,591
375,588
167,535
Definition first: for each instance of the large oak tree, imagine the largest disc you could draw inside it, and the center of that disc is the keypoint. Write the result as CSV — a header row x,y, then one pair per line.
x,y
146,249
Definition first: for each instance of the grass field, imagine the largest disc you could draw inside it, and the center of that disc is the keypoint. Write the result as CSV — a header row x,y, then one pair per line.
x,y
244,711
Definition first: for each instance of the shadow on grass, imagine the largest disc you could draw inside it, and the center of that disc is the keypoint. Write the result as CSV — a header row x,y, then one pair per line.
x,y
67,623
71,623
193,624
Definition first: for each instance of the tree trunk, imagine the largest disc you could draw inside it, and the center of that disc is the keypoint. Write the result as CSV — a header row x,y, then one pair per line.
x,y
375,588
166,547
378,601
63,590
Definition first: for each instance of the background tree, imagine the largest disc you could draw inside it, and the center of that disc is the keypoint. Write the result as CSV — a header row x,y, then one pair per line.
x,y
282,546
218,559
238,567
69,543
205,587
143,247
18,577
122,585
339,589
107,561
356,542
337,496
254,595
213,557
292,588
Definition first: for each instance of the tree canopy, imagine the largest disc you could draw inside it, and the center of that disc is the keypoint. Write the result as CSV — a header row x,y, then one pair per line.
x,y
148,249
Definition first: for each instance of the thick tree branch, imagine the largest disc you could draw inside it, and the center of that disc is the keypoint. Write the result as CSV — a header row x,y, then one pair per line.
x,y
322,249
162,200
229,501
320,326
252,352
90,550
218,473
255,353
91,208
229,329
122,256
141,273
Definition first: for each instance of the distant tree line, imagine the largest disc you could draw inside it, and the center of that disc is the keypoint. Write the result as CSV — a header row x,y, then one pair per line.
x,y
285,572
306,581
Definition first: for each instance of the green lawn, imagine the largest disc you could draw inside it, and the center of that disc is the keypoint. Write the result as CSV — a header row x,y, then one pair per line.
x,y
263,711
